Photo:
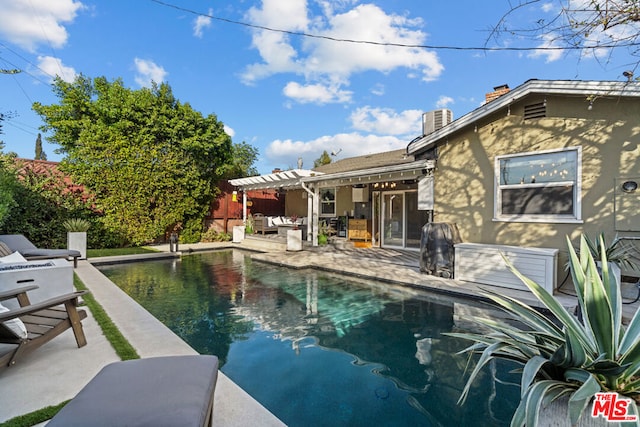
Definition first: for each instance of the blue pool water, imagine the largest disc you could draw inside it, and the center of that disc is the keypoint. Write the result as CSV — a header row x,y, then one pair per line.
x,y
318,349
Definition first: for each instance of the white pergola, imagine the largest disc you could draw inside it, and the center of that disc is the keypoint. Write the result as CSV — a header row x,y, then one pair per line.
x,y
312,181
290,179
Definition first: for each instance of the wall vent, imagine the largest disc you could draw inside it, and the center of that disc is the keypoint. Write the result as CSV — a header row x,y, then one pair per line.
x,y
436,119
535,111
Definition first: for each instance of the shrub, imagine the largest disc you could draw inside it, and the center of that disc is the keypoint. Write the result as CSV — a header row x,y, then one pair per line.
x,y
212,235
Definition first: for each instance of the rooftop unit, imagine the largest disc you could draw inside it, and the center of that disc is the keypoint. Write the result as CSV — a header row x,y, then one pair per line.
x,y
436,119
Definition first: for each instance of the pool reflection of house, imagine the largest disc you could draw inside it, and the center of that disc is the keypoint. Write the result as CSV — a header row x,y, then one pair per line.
x,y
535,164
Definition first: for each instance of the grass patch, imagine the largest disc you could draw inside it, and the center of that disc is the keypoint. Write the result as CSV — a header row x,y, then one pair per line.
x,y
95,253
35,417
124,350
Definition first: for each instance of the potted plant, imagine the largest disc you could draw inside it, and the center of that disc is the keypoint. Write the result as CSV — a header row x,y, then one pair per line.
x,y
294,236
77,235
248,227
569,360
323,233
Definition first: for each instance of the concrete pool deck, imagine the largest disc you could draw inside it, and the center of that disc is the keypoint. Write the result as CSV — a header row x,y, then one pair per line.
x,y
58,370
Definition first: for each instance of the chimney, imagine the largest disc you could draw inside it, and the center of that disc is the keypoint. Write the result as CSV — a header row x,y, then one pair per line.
x,y
498,91
276,170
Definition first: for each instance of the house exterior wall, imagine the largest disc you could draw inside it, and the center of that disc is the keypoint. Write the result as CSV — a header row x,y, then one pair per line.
x,y
609,135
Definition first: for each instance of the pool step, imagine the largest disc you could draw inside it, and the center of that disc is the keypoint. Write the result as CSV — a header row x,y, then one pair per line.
x,y
262,244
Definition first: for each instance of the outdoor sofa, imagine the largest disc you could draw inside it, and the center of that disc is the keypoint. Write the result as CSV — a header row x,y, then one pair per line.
x,y
269,224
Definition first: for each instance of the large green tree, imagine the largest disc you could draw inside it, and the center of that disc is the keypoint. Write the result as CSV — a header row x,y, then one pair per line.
x,y
150,161
242,163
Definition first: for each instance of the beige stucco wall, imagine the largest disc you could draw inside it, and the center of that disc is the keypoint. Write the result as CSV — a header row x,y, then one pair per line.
x,y
295,203
464,179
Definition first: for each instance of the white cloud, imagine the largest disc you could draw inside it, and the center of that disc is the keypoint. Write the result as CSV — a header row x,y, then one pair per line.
x,y
148,71
444,101
387,121
200,23
548,41
229,131
285,153
31,23
548,7
50,66
322,60
316,93
378,89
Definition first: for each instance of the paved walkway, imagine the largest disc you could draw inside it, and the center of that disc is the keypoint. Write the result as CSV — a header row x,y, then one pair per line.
x,y
58,370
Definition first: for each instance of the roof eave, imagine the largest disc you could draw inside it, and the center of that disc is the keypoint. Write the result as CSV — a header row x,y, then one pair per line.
x,y
554,87
419,164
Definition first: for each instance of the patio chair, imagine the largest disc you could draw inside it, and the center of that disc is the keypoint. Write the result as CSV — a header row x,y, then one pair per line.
x,y
153,392
19,243
32,325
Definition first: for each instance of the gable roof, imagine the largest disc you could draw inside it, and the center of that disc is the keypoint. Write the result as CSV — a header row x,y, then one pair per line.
x,y
368,161
549,87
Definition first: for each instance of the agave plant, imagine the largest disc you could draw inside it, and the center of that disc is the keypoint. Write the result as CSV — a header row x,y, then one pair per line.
x,y
616,252
76,224
569,357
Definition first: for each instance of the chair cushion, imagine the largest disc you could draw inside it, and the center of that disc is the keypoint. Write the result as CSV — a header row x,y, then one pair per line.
x,y
158,391
15,325
17,242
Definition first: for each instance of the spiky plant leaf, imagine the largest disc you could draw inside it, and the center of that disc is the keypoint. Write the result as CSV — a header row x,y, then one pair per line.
x,y
580,398
575,357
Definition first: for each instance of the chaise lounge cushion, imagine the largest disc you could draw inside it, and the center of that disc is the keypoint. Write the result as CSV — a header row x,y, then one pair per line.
x,y
159,391
18,242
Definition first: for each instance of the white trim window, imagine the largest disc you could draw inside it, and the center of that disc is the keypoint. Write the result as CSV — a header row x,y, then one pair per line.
x,y
327,202
542,186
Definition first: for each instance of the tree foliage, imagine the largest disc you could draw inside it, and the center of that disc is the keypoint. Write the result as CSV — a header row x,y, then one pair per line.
x,y
597,26
324,159
36,203
8,187
242,159
150,161
40,154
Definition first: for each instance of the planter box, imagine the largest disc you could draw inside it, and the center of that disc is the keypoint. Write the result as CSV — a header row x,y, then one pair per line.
x,y
483,263
77,240
294,240
238,233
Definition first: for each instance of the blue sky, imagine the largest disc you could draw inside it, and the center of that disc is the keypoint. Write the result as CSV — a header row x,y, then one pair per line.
x,y
288,95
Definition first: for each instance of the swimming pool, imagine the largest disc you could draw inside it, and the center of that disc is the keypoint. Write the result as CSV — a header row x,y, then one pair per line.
x,y
319,349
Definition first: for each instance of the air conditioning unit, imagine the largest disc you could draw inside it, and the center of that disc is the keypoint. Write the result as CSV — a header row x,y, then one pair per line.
x,y
436,119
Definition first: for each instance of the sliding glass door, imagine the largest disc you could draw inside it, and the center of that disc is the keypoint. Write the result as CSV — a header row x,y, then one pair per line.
x,y
402,222
393,219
